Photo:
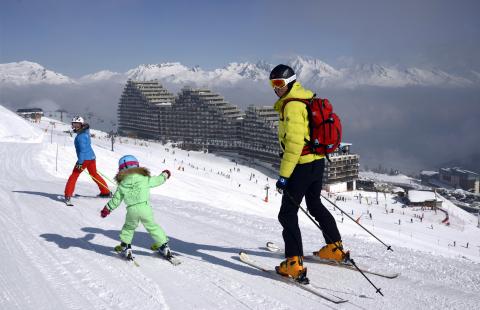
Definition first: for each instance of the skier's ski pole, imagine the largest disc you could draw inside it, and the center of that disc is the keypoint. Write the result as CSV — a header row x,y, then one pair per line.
x,y
389,247
378,290
98,182
105,177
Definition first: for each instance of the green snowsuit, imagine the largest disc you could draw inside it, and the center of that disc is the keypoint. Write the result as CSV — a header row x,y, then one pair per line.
x,y
134,189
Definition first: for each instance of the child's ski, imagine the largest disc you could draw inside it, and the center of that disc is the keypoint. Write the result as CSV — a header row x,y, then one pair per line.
x,y
128,258
171,259
133,260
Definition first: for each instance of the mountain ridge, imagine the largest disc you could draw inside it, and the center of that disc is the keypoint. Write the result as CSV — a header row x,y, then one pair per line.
x,y
309,70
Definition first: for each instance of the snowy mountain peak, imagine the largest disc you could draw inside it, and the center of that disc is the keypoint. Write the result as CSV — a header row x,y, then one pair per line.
x,y
258,71
157,71
310,71
393,76
196,68
27,72
308,68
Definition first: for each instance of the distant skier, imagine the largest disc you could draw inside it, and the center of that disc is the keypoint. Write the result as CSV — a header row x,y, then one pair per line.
x,y
85,160
134,183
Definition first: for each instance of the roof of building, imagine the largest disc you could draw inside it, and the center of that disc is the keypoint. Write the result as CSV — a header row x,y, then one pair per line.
x,y
459,171
29,110
421,196
429,173
398,190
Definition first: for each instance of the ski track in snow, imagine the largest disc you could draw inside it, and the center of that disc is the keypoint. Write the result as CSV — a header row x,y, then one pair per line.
x,y
58,257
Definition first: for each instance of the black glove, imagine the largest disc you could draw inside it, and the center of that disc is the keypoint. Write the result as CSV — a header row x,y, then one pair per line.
x,y
281,184
78,166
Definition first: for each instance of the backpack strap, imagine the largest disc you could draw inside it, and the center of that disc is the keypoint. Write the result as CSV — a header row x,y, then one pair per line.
x,y
306,148
306,101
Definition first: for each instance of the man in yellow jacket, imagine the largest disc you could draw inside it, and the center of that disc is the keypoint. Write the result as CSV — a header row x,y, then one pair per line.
x,y
300,175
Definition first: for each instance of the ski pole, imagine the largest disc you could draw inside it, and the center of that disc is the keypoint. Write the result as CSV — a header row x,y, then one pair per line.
x,y
378,290
105,177
98,182
389,247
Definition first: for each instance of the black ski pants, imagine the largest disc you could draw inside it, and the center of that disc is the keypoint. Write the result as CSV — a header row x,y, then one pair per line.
x,y
306,180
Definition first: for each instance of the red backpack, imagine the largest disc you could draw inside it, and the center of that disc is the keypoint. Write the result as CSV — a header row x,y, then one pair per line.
x,y
325,126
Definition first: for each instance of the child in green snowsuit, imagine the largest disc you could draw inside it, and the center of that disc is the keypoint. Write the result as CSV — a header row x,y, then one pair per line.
x,y
134,183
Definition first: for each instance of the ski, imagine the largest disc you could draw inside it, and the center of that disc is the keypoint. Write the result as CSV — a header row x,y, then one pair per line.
x,y
129,259
172,259
62,199
91,196
307,287
272,247
70,203
133,260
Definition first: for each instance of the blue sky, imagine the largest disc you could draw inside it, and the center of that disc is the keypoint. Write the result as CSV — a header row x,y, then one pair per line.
x,y
81,37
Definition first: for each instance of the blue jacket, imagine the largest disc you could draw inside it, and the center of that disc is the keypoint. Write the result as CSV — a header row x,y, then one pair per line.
x,y
83,146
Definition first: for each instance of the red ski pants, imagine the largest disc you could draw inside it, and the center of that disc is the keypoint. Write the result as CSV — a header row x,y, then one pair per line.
x,y
92,170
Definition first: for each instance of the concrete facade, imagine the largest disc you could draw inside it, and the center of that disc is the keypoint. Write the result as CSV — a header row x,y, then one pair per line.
x,y
199,119
144,110
460,178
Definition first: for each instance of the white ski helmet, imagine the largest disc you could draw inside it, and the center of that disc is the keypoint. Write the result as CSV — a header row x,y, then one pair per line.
x,y
78,119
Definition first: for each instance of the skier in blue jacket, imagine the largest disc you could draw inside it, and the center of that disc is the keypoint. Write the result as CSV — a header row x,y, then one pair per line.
x,y
85,160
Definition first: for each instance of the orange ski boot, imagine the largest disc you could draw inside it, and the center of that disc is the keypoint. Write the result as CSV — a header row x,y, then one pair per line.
x,y
293,267
332,252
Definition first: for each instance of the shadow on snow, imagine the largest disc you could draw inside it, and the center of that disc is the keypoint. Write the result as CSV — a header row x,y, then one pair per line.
x,y
141,247
54,196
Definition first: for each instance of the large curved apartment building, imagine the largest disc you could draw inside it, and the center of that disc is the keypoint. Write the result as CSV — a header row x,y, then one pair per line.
x,y
204,120
145,110
259,135
199,119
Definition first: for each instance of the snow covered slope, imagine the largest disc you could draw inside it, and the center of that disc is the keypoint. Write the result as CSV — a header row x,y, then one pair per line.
x,y
16,129
58,257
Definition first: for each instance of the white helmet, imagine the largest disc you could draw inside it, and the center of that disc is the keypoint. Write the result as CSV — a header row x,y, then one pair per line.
x,y
78,119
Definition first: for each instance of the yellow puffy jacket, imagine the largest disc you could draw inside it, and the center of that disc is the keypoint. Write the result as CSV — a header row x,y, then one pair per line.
x,y
293,131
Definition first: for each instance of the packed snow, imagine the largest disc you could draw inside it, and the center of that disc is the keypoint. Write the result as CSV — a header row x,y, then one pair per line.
x,y
399,179
15,129
59,257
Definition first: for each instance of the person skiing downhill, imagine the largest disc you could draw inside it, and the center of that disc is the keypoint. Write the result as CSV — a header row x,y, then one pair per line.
x,y
85,160
134,183
300,175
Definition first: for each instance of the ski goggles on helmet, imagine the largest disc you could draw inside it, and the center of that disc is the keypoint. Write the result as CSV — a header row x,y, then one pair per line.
x,y
280,83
